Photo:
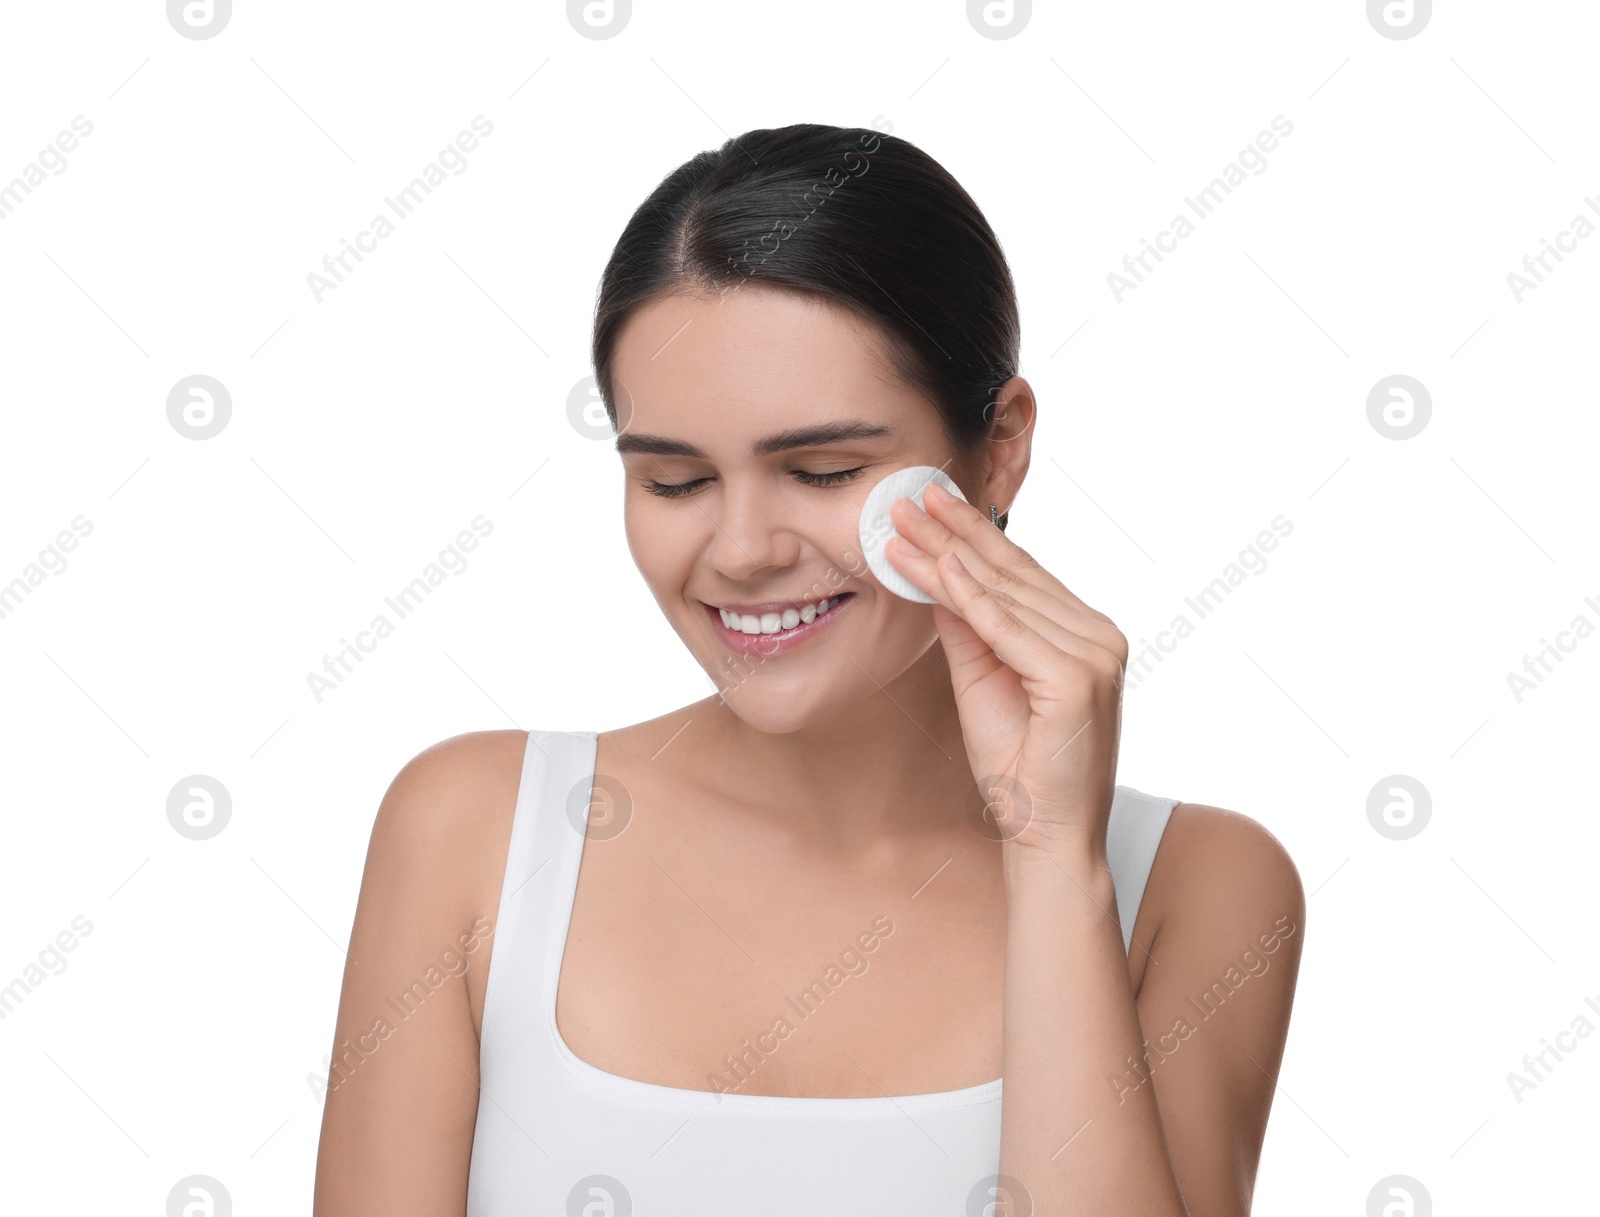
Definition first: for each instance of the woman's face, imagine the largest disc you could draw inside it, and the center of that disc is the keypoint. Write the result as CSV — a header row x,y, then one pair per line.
x,y
752,426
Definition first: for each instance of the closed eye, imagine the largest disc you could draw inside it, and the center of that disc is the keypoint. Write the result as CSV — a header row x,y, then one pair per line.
x,y
829,479
673,490
677,490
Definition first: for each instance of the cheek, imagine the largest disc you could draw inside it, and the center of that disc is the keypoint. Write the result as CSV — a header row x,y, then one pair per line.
x,y
663,549
906,629
647,540
841,541
851,566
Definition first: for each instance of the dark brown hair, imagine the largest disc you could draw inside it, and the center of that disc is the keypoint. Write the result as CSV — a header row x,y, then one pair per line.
x,y
850,214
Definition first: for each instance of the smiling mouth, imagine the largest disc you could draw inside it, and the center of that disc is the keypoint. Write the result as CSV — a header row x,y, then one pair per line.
x,y
778,621
776,628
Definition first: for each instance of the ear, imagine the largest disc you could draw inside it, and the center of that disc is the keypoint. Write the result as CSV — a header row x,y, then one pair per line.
x,y
1009,443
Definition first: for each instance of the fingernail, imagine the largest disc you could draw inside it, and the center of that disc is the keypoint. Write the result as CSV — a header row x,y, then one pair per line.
x,y
915,508
943,495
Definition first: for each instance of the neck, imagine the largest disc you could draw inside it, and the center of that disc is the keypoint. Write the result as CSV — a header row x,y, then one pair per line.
x,y
890,766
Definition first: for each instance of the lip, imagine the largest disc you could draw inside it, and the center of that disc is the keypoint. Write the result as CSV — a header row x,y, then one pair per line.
x,y
768,645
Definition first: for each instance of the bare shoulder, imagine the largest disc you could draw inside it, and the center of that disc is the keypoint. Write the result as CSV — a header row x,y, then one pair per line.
x,y
452,804
1221,870
1216,1000
402,1095
467,764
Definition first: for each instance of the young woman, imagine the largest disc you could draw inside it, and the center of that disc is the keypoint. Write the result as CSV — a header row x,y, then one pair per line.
x,y
873,929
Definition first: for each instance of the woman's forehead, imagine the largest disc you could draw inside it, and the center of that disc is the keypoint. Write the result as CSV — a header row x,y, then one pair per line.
x,y
769,360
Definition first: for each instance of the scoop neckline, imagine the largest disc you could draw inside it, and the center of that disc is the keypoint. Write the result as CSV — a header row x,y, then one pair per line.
x,y
706,1100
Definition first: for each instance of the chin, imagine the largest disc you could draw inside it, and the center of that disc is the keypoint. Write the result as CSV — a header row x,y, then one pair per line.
x,y
770,699
770,702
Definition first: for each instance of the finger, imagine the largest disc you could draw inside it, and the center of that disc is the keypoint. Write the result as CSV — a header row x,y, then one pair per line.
x,y
1105,651
1016,573
923,570
969,656
1019,645
994,548
1077,633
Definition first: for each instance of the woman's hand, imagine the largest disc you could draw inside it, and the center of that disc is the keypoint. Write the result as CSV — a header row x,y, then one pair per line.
x,y
1037,675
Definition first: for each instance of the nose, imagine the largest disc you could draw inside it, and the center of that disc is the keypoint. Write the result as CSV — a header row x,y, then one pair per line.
x,y
751,531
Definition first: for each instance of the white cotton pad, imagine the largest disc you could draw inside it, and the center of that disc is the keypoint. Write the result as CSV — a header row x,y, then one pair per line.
x,y
876,527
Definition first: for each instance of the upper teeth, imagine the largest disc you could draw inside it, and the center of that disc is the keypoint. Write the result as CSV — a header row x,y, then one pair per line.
x,y
771,623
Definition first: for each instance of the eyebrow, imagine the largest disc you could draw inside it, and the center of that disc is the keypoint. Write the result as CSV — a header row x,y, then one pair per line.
x,y
797,437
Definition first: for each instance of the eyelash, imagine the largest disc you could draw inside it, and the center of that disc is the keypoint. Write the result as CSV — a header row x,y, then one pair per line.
x,y
680,489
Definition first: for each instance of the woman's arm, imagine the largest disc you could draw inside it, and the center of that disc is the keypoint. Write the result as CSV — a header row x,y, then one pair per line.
x,y
1038,676
1155,1102
402,1101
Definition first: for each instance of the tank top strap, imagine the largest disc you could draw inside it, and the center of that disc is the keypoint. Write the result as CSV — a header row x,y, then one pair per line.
x,y
546,835
1133,835
553,799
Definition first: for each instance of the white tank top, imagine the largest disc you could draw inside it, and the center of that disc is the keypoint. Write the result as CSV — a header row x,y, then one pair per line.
x,y
557,1136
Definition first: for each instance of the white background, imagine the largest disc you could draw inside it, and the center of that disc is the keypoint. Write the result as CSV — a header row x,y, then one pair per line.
x,y
429,387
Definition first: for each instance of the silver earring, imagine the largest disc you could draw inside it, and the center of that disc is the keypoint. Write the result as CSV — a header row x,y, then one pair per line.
x,y
994,515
